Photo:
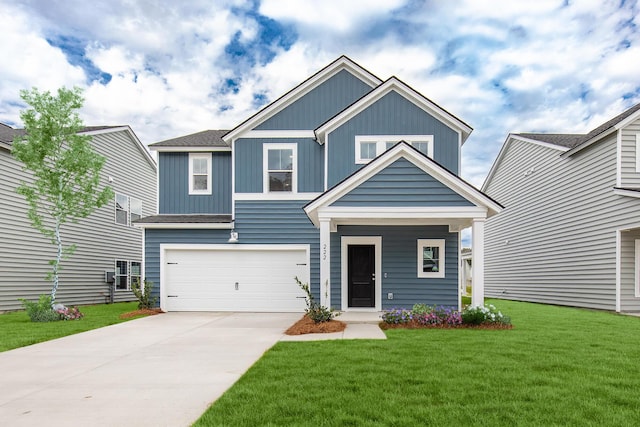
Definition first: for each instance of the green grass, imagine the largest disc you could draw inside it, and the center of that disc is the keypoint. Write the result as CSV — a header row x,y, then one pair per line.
x,y
558,366
16,330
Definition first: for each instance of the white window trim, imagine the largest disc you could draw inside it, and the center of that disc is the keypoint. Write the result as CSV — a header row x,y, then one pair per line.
x,y
381,141
128,275
207,157
637,265
440,243
638,152
265,167
115,209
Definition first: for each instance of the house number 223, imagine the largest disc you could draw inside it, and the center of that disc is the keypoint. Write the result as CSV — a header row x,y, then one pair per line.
x,y
324,252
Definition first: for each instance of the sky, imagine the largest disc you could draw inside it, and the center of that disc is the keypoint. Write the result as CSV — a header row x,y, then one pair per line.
x,y
171,68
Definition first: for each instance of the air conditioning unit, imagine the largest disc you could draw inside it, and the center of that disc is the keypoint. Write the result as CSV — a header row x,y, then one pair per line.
x,y
109,277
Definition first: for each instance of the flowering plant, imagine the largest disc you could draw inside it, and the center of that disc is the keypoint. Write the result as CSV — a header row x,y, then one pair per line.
x,y
67,313
487,314
397,316
438,315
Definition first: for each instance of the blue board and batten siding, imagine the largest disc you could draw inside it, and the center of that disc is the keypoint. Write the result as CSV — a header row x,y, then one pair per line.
x,y
402,184
320,104
391,115
250,169
279,223
174,195
400,265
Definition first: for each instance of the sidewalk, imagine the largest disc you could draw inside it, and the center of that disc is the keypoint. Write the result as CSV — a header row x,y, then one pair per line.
x,y
360,325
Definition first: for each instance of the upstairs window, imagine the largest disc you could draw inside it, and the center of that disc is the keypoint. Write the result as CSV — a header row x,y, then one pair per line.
x,y
135,206
280,168
199,173
122,209
368,147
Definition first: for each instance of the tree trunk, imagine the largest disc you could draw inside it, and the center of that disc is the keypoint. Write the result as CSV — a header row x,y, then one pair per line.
x,y
56,264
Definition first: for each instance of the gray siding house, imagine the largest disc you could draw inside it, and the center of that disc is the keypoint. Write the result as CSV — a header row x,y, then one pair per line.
x,y
570,230
348,182
106,240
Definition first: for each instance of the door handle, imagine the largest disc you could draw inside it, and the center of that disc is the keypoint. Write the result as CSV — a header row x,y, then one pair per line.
x,y
237,285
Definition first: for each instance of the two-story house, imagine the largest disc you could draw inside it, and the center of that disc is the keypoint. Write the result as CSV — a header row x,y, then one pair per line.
x,y
108,256
348,182
570,230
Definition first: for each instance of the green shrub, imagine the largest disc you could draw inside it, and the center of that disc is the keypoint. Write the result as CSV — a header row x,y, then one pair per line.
x,y
316,312
421,309
40,311
145,297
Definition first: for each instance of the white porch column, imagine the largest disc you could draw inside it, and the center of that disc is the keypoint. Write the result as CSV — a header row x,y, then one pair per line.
x,y
477,262
325,263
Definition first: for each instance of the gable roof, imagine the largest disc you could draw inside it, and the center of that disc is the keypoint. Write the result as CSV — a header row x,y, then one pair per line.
x,y
8,134
209,139
342,63
401,150
393,84
576,142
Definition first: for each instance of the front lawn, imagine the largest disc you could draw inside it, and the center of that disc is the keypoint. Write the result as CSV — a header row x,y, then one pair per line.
x,y
16,330
558,366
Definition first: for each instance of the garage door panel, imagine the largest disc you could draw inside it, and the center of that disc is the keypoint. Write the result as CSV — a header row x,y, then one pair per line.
x,y
205,280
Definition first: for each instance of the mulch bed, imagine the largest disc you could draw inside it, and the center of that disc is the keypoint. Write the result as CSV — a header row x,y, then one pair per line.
x,y
416,325
307,326
141,312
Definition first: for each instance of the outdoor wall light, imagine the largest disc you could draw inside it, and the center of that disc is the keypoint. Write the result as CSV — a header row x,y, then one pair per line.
x,y
233,236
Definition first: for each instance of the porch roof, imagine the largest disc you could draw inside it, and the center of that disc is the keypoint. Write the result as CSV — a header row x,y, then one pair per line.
x,y
458,217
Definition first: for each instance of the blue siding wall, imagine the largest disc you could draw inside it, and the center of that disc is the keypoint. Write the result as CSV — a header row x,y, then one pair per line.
x,y
154,237
391,115
249,166
320,104
399,264
174,195
270,222
402,184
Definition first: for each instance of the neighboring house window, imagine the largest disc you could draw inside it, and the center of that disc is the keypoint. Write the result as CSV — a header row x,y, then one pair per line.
x,y
122,209
199,173
135,206
431,258
369,147
637,152
126,274
136,268
280,168
122,276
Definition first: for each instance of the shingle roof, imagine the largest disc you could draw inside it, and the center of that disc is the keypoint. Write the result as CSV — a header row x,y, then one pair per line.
x,y
184,219
574,140
8,134
207,138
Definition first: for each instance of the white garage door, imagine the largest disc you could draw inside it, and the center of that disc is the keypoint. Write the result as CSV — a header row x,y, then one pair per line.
x,y
234,279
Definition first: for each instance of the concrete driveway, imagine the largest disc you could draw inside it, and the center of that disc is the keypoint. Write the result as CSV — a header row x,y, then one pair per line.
x,y
162,370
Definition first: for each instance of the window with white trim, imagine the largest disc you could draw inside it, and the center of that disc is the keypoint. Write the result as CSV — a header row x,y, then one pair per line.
x,y
122,209
122,275
280,168
126,273
431,258
135,208
368,147
637,152
200,173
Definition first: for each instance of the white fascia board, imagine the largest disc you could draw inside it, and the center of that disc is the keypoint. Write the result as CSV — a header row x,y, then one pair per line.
x,y
231,247
625,192
503,151
183,149
626,122
187,226
342,63
143,148
279,134
5,145
404,151
275,196
392,84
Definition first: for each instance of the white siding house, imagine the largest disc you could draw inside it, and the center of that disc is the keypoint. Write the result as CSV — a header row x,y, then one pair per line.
x,y
570,230
105,240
